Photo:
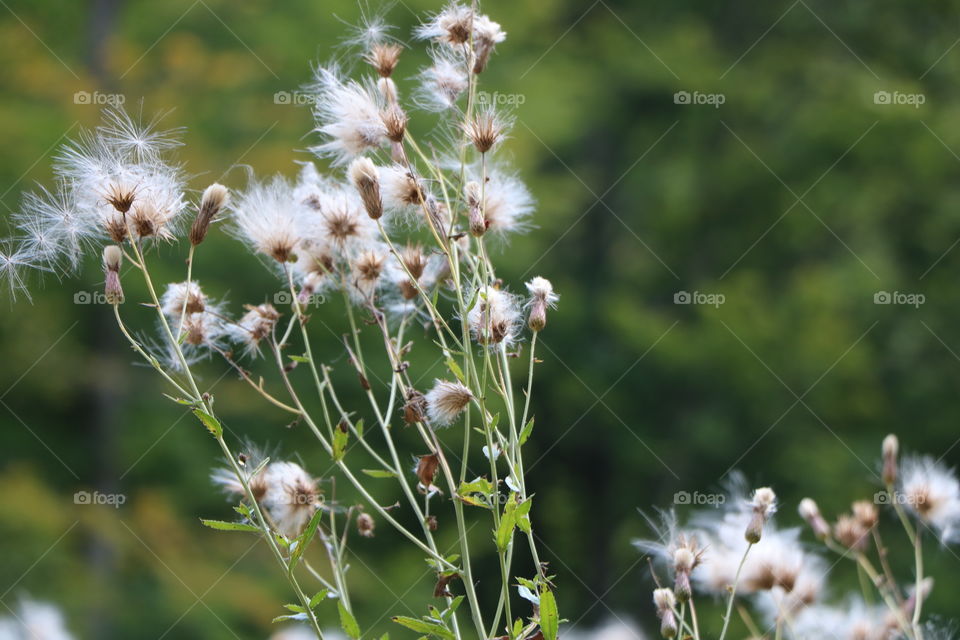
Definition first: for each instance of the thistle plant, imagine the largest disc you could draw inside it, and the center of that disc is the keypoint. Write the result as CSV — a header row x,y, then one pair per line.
x,y
397,235
773,584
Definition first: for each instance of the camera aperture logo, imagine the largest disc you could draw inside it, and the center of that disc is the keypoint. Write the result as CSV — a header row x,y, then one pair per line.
x,y
900,298
699,98
698,297
898,98
114,500
696,498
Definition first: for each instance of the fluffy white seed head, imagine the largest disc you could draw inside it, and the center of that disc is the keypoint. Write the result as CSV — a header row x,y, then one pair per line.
x,y
348,116
494,317
931,491
446,401
269,219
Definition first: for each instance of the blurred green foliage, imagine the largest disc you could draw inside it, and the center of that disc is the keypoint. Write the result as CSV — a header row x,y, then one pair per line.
x,y
797,199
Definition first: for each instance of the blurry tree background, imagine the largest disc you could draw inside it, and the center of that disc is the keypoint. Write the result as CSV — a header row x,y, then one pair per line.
x,y
798,199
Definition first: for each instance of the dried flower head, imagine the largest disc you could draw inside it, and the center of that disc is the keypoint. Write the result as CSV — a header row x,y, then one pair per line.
x,y
850,533
931,491
453,25
426,471
494,317
485,129
442,83
395,122
403,193
866,514
486,35
269,218
365,525
347,115
446,401
506,203
415,408
183,297
384,56
255,325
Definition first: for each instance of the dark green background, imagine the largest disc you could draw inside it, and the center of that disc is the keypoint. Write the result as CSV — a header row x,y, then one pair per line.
x,y
794,380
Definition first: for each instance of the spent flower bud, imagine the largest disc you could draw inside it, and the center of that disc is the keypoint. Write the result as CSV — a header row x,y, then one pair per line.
x,y
891,449
366,180
215,197
112,257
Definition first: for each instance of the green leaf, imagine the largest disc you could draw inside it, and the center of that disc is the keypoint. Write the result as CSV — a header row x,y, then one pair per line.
x,y
211,423
318,597
348,622
296,608
303,359
359,428
549,618
305,538
220,525
523,515
183,401
379,473
526,431
340,439
296,616
508,521
422,626
455,370
469,490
